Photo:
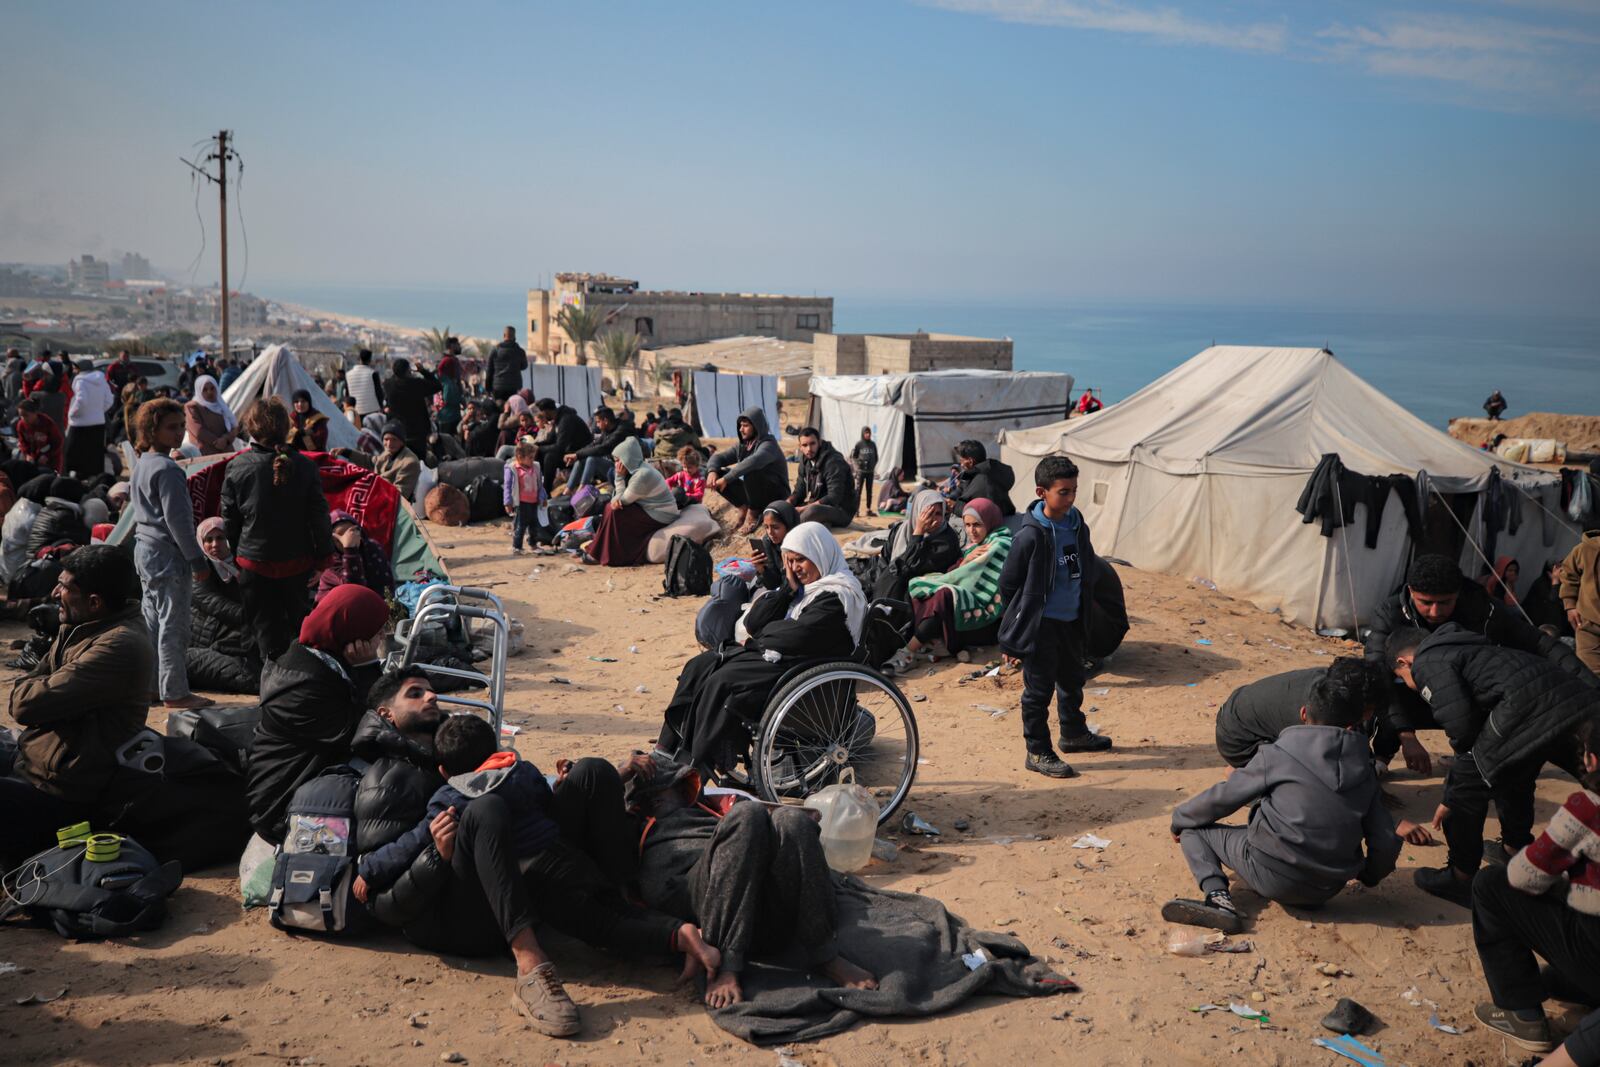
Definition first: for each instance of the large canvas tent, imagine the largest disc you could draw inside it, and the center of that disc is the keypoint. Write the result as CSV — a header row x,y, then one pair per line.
x,y
717,400
1199,475
576,387
918,418
276,372
377,505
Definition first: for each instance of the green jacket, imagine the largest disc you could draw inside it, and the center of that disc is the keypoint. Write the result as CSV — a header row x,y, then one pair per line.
x,y
974,582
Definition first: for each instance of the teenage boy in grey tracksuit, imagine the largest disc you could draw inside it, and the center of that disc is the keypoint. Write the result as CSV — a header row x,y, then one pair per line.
x,y
1317,803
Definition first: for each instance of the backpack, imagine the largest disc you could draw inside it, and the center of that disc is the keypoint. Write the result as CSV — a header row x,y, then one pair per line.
x,y
485,498
82,898
315,867
36,579
688,568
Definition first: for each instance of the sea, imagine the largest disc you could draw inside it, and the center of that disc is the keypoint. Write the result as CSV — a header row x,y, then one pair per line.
x,y
1437,365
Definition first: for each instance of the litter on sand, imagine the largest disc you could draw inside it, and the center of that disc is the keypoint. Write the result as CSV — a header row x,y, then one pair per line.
x,y
913,823
42,998
994,712
1203,641
560,681
975,959
604,659
1351,1049
1433,1021
1203,1008
1225,945
1244,1011
506,730
1091,841
8,968
1099,691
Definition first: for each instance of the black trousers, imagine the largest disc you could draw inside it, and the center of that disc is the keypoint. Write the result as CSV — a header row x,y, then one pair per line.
x,y
591,815
85,451
1053,668
863,493
1467,796
485,904
1509,927
550,463
32,818
274,609
756,490
827,514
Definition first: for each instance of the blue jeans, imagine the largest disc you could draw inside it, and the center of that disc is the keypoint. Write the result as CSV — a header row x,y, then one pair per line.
x,y
594,469
165,604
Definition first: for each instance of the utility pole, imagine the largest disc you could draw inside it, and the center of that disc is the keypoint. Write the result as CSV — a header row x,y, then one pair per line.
x,y
220,154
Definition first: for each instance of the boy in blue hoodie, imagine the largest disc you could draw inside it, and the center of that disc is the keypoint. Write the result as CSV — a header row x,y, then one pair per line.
x,y
1048,589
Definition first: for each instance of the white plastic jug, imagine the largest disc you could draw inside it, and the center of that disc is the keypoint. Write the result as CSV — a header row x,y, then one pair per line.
x,y
849,822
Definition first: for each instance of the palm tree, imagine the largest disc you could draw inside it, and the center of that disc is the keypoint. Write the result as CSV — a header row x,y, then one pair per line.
x,y
481,348
581,325
618,351
436,340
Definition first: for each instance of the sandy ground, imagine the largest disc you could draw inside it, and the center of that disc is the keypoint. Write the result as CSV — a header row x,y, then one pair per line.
x,y
217,985
1581,433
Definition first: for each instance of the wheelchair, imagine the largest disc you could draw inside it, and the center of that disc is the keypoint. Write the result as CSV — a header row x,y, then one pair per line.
x,y
827,715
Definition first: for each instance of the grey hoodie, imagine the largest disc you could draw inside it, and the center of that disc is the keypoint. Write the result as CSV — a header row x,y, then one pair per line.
x,y
1318,802
760,454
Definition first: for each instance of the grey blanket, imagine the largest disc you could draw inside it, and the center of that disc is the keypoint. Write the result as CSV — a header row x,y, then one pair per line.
x,y
914,947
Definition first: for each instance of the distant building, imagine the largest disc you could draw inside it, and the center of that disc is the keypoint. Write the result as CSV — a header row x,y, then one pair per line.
x,y
136,266
86,272
902,353
668,318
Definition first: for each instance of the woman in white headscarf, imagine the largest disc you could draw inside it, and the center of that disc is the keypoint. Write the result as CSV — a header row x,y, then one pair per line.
x,y
817,613
209,424
921,543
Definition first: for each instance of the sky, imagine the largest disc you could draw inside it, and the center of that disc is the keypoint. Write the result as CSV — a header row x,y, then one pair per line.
x,y
1432,155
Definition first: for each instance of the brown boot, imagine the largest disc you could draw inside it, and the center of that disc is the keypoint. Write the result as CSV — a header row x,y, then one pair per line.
x,y
540,996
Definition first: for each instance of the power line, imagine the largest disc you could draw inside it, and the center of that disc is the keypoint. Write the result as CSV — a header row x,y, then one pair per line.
x,y
238,204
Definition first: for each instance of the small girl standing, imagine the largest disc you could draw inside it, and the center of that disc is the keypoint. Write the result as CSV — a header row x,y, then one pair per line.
x,y
166,550
523,493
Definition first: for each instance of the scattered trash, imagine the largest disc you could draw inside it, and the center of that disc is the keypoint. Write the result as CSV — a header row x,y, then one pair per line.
x,y
1190,945
975,959
1206,582
1333,631
1225,945
1333,970
506,730
918,698
787,1060
1190,685
885,851
1351,1049
604,659
557,680
1091,841
1008,839
640,689
1101,691
1433,1021
618,707
1244,1011
960,824
912,823
1203,641
42,998
634,649
994,712
9,968
1348,1017
1415,998
998,923
452,1057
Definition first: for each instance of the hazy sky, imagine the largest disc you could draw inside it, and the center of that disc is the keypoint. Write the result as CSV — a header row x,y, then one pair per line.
x,y
1430,155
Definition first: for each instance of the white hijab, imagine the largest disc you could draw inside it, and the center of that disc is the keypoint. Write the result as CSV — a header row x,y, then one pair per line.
x,y
219,405
813,541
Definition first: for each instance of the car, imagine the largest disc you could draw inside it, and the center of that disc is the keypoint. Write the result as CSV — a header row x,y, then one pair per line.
x,y
160,373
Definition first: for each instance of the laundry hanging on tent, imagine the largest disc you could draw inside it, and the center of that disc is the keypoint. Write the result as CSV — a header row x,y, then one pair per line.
x,y
1332,485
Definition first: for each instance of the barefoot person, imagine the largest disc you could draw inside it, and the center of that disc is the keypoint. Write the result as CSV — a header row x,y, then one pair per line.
x,y
754,877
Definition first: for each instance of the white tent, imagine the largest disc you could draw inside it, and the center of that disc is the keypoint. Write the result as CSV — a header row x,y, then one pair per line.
x,y
1199,473
576,387
717,400
276,372
927,413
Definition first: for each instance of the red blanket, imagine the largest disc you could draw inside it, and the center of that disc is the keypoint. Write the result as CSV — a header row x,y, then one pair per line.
x,y
374,502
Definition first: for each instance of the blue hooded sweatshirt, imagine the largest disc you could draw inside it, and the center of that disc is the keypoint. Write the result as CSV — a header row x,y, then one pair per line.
x,y
1066,592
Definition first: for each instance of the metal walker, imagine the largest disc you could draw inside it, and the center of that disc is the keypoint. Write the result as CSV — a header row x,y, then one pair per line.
x,y
446,602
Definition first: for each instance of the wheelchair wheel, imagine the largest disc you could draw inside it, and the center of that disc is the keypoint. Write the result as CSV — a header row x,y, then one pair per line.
x,y
827,718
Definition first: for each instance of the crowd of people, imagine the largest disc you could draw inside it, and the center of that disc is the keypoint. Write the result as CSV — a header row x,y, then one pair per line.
x,y
465,847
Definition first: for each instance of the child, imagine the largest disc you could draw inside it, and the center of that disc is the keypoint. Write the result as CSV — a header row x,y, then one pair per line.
x,y
472,765
357,559
524,492
1316,802
1048,589
864,459
689,484
39,439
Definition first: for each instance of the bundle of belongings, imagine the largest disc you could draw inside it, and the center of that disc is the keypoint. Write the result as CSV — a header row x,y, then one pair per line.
x,y
91,886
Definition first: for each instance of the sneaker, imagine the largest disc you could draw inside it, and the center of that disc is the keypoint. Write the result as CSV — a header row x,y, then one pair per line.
x,y
1443,883
1088,741
1532,1035
1495,852
1050,765
899,663
515,551
189,703
1215,912
540,996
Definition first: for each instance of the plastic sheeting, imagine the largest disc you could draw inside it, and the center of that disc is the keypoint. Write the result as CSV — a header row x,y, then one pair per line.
x,y
1198,475
939,409
276,372
576,387
718,400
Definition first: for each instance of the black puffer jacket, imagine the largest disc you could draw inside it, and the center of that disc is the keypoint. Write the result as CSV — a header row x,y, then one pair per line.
x,y
275,523
59,520
1500,704
608,440
507,361
827,479
1477,612
571,433
218,621
990,480
308,717
391,803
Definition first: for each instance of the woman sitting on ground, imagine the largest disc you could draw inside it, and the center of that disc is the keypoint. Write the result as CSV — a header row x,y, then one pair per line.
x,y
642,505
210,427
357,559
309,432
962,606
713,625
222,654
1501,583
818,612
921,543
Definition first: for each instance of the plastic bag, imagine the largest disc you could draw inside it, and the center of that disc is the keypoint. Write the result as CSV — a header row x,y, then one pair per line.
x,y
255,872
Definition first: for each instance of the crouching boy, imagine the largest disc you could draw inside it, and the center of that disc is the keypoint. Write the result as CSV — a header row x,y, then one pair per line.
x,y
1317,803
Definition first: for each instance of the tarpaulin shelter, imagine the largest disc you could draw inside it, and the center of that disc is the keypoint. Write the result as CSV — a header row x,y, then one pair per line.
x,y
716,401
917,418
375,503
576,387
1201,473
276,372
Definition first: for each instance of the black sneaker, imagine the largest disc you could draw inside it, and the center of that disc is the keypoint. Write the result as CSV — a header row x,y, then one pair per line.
x,y
1443,883
1050,765
1088,741
1532,1035
1495,852
1216,912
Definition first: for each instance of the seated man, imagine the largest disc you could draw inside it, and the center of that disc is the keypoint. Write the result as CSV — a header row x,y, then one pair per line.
x,y
88,695
1507,713
397,464
979,477
471,879
1316,803
823,489
754,877
751,473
